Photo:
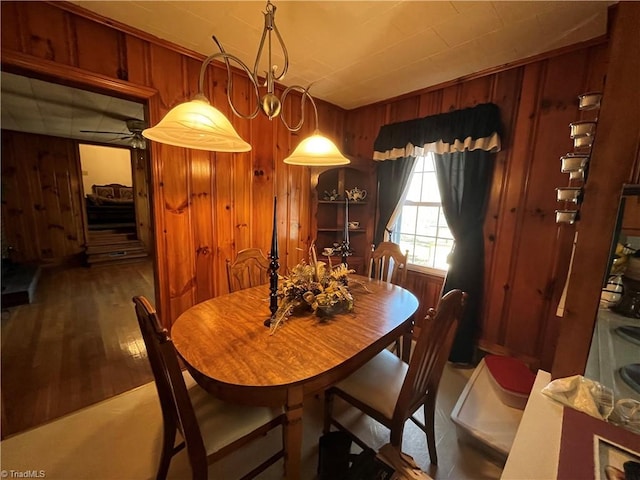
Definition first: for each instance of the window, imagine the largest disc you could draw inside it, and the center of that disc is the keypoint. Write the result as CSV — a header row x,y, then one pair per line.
x,y
421,227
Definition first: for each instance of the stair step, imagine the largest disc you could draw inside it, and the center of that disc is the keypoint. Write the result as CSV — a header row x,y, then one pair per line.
x,y
135,246
116,257
112,238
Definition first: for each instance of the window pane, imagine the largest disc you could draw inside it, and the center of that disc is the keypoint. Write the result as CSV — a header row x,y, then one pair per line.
x,y
430,192
413,195
424,250
408,219
406,243
421,227
427,221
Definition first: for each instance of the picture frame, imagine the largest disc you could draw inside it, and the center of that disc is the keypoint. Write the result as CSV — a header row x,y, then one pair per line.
x,y
593,448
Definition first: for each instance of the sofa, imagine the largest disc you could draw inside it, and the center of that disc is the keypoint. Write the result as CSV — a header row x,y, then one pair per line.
x,y
110,205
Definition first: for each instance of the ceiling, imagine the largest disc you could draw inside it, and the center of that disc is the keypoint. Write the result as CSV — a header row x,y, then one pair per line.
x,y
359,52
353,52
34,106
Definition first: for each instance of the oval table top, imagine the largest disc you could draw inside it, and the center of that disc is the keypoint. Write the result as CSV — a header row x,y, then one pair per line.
x,y
224,338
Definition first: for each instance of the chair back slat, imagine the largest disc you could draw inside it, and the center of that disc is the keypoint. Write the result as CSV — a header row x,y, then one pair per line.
x,y
249,269
388,263
176,405
431,352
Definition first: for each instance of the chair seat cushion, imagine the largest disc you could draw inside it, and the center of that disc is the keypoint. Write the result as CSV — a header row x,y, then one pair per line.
x,y
377,383
222,423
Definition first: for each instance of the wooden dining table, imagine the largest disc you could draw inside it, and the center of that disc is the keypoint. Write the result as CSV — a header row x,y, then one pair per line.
x,y
230,353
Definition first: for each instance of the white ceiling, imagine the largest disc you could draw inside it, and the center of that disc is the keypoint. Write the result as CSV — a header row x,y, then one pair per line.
x,y
34,106
354,52
359,52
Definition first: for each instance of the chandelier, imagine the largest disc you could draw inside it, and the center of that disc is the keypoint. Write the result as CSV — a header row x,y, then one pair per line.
x,y
199,125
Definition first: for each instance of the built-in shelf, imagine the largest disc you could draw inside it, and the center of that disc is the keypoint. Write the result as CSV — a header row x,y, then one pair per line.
x,y
337,229
341,202
331,216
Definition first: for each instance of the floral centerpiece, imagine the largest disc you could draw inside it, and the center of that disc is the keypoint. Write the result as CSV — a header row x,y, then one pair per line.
x,y
316,287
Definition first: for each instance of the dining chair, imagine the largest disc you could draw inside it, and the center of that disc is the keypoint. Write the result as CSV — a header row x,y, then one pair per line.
x,y
390,391
387,263
210,428
249,269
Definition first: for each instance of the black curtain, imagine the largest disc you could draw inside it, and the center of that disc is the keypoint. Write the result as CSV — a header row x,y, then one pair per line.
x,y
392,178
464,180
462,142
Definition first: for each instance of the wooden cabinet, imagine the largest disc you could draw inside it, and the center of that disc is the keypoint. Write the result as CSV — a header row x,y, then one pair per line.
x,y
332,212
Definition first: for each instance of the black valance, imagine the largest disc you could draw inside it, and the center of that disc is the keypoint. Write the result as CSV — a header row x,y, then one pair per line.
x,y
468,129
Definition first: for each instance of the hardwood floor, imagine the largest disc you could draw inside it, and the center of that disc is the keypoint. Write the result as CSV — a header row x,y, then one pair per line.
x,y
78,343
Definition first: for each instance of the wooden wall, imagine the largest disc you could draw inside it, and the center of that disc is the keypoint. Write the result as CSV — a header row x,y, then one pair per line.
x,y
41,198
526,252
206,206
43,202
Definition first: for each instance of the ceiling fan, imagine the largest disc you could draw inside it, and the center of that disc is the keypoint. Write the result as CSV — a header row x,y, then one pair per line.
x,y
135,128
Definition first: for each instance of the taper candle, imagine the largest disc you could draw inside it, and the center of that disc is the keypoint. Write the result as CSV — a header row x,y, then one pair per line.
x,y
274,238
346,220
273,265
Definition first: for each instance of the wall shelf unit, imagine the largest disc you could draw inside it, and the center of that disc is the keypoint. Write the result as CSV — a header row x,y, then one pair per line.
x,y
330,216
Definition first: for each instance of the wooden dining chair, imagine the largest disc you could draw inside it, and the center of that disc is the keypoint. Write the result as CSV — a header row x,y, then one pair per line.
x,y
390,391
387,263
210,428
249,269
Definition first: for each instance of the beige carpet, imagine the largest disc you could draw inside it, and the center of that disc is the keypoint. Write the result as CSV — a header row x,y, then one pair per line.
x,y
119,439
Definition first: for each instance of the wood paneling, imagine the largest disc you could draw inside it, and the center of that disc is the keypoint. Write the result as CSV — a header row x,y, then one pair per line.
x,y
526,252
41,197
142,198
614,159
206,206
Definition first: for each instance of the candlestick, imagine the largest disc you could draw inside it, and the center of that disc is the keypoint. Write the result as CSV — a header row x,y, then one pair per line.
x,y
346,220
273,266
345,242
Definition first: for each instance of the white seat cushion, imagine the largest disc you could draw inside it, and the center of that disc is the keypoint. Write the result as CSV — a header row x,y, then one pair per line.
x,y
377,383
222,423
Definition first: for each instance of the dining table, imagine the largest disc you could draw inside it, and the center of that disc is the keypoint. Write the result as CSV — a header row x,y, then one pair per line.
x,y
230,352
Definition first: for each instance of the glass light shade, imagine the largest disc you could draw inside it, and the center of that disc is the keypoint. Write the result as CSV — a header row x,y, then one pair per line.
x,y
198,125
316,151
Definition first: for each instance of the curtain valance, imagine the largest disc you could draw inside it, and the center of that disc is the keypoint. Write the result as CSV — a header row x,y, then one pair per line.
x,y
475,128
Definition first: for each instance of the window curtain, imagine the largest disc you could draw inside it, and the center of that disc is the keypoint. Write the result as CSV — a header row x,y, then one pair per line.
x,y
462,142
392,180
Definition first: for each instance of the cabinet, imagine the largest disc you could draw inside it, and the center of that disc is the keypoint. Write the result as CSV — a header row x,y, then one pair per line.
x,y
332,211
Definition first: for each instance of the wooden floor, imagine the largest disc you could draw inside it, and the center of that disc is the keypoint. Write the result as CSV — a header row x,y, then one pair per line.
x,y
78,343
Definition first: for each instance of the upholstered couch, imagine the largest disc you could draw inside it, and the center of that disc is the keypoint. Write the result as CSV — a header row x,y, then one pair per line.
x,y
110,205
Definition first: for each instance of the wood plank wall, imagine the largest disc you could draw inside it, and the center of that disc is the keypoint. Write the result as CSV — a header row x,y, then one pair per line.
x,y
206,206
526,252
42,211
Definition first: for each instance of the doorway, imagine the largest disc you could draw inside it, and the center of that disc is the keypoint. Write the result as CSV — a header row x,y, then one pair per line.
x,y
77,342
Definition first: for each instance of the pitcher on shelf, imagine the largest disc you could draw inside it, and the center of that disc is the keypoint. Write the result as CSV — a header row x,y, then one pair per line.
x,y
355,194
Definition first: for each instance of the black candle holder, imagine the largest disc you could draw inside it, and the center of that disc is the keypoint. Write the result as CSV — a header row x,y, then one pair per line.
x,y
273,268
273,286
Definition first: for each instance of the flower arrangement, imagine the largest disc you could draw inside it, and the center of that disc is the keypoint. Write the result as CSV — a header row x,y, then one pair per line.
x,y
316,286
